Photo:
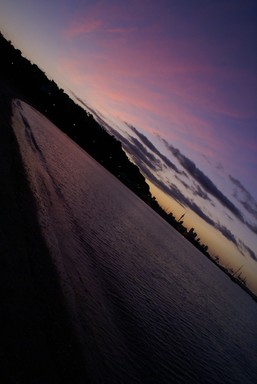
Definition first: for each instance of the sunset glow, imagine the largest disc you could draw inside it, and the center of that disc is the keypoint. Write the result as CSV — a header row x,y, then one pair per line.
x,y
177,84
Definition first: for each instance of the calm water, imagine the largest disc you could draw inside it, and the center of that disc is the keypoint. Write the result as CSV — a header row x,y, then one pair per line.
x,y
149,307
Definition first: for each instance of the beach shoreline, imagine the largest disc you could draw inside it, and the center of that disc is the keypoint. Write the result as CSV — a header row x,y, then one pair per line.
x,y
39,343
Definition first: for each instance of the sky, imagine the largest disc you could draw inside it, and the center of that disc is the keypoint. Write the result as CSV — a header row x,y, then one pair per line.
x,y
176,82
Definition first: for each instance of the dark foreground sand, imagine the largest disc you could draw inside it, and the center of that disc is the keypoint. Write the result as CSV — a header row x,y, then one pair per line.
x,y
37,342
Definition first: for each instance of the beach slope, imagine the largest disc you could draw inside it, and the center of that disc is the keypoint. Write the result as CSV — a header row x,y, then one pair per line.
x,y
38,343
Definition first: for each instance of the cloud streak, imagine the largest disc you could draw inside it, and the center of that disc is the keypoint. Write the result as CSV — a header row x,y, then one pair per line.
x,y
250,252
140,152
83,27
203,180
150,145
197,190
244,197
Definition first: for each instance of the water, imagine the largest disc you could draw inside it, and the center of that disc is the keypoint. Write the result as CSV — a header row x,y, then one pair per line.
x,y
148,306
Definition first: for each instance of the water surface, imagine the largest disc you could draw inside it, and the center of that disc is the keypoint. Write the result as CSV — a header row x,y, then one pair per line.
x,y
148,306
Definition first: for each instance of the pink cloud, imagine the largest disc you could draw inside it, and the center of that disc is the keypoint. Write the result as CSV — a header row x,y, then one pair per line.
x,y
118,85
123,30
104,16
177,66
159,83
83,27
120,94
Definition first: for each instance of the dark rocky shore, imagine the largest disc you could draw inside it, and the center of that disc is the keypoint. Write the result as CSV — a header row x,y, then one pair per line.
x,y
38,343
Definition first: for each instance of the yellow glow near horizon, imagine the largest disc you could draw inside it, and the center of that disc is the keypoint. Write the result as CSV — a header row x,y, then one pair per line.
x,y
165,201
229,255
218,245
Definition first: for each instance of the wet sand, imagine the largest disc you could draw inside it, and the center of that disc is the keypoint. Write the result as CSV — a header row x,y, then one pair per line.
x,y
38,343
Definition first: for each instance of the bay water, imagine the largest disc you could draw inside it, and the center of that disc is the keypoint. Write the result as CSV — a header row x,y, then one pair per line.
x,y
148,307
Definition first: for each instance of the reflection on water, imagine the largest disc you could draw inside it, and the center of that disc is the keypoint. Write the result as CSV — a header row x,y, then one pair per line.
x,y
150,308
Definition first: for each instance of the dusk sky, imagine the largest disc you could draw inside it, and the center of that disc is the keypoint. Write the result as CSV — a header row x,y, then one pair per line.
x,y
176,82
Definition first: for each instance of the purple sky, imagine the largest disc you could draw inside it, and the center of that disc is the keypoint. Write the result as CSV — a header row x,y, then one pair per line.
x,y
177,81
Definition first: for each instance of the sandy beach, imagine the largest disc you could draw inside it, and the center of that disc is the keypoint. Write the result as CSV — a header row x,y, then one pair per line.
x,y
38,344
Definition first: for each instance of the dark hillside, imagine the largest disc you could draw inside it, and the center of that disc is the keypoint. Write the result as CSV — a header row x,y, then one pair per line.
x,y
48,98
35,88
